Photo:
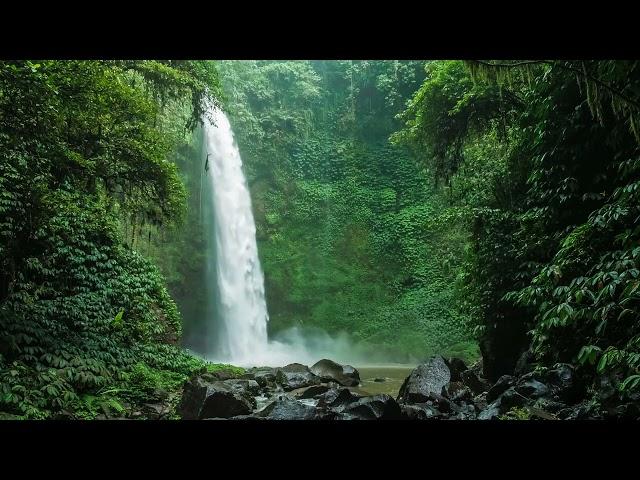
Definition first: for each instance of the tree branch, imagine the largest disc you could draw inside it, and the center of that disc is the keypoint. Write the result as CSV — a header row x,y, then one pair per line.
x,y
569,68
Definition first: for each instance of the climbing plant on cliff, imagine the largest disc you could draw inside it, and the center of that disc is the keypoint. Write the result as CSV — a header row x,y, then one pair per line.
x,y
554,248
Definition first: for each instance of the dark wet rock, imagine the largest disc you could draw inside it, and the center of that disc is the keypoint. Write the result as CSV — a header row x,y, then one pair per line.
x,y
329,370
480,401
532,388
241,417
203,398
548,405
581,411
525,363
337,397
564,384
419,411
156,411
286,408
492,412
425,380
627,411
606,387
456,367
458,392
311,392
265,376
295,376
471,379
379,379
501,386
376,407
62,415
509,399
465,412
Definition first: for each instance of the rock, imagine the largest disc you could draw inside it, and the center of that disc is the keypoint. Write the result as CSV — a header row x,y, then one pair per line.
x,y
473,382
295,376
480,401
550,406
466,412
532,388
509,399
581,411
379,379
205,399
419,411
246,388
458,392
524,363
492,412
224,374
336,397
156,411
564,385
502,345
506,401
286,408
627,411
425,380
329,370
265,376
62,415
240,417
456,367
311,392
606,388
376,407
503,383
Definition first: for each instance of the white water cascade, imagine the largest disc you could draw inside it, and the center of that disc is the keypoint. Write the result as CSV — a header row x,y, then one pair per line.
x,y
241,304
237,314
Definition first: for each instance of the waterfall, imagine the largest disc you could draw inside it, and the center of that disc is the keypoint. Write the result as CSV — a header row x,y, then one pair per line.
x,y
241,308
236,328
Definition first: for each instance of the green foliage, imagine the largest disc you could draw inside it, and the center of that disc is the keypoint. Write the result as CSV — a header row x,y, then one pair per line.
x,y
351,236
546,154
85,147
516,413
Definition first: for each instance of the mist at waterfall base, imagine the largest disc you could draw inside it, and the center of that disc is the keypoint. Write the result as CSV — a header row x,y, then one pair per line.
x,y
235,323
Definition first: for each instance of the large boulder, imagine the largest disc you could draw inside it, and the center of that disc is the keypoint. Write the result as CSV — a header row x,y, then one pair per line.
x,y
203,398
265,376
310,392
425,380
329,370
295,375
336,397
286,408
376,407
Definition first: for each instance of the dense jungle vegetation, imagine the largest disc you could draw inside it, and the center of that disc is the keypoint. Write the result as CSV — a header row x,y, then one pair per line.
x,y
452,207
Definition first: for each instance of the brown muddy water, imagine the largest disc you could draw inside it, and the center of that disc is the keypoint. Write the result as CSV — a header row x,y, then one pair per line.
x,y
389,379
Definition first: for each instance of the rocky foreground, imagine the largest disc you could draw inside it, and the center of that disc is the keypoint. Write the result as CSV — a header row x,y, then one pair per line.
x,y
436,389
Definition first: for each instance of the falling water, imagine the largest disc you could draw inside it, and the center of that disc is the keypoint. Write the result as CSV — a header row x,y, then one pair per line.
x,y
241,305
237,315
